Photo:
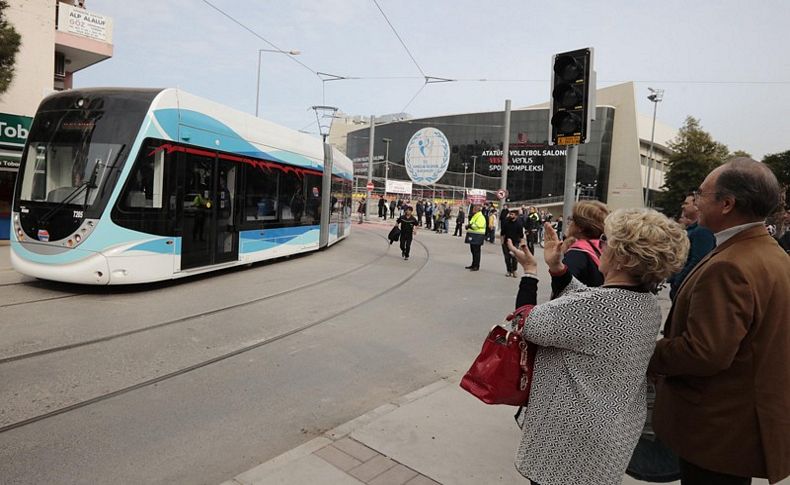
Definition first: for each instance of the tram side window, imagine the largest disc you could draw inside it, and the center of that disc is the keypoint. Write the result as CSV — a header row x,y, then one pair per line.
x,y
274,197
261,202
148,200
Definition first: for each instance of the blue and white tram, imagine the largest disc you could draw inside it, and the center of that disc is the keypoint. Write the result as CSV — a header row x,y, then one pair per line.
x,y
120,186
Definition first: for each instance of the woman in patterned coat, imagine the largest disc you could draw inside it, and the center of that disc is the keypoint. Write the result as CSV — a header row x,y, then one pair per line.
x,y
587,404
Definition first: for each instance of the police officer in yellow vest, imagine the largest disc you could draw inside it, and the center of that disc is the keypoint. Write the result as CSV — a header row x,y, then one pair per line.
x,y
475,233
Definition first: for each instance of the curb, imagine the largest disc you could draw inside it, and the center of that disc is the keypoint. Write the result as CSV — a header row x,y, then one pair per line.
x,y
344,430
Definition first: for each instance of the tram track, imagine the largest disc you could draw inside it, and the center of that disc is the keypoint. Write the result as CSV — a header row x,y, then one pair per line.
x,y
227,355
107,338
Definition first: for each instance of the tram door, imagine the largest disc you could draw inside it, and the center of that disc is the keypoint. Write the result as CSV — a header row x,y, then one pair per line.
x,y
208,233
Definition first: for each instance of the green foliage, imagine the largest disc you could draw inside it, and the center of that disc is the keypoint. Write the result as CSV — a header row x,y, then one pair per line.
x,y
739,154
695,154
780,165
9,46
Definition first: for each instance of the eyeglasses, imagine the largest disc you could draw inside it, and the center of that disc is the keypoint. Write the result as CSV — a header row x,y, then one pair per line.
x,y
698,193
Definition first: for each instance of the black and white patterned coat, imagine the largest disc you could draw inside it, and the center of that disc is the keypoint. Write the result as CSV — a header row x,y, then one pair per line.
x,y
587,403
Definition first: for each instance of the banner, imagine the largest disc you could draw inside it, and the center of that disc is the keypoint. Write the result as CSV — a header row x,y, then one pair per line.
x,y
398,187
79,21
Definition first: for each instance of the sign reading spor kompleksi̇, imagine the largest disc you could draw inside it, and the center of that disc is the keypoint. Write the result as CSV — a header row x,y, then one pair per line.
x,y
427,156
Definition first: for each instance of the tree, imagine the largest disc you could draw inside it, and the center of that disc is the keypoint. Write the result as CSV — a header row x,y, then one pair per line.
x,y
779,163
695,154
9,46
740,153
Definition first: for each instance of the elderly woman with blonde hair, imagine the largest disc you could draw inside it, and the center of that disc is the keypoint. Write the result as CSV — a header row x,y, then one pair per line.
x,y
587,404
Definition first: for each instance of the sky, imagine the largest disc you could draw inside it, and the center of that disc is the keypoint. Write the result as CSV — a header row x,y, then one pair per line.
x,y
724,62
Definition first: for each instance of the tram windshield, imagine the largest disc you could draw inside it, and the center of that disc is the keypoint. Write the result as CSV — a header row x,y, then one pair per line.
x,y
67,160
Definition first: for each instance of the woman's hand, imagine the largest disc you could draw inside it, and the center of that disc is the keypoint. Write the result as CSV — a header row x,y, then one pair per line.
x,y
553,249
524,257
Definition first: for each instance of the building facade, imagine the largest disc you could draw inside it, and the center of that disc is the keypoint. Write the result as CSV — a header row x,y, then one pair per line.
x,y
612,166
59,38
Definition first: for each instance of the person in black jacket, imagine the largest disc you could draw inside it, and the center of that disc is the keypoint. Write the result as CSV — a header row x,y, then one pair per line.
x,y
408,227
511,228
702,242
460,220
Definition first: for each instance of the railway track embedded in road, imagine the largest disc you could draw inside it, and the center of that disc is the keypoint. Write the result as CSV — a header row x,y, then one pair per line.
x,y
214,360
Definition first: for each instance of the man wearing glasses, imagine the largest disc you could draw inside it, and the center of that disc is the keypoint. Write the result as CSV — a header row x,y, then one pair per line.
x,y
723,368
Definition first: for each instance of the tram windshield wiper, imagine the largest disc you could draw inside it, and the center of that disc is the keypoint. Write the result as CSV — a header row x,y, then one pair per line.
x,y
88,184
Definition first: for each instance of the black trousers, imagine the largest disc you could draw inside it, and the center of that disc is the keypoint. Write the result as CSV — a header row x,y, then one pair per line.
x,y
405,245
475,249
691,474
510,261
459,226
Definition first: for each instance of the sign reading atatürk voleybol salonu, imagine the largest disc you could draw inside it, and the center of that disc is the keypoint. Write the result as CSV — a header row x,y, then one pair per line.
x,y
427,156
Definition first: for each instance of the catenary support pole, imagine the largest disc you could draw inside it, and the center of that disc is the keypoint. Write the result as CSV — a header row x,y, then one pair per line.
x,y
505,150
370,161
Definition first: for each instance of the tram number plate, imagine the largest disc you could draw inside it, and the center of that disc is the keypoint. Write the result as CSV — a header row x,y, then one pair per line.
x,y
76,214
569,140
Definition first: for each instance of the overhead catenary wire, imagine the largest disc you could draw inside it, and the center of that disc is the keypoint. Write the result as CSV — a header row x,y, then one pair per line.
x,y
232,19
399,38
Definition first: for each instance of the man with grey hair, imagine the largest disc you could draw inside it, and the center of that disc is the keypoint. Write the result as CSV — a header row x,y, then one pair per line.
x,y
723,368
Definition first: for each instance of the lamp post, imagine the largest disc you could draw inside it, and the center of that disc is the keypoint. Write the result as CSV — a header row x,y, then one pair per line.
x,y
656,96
387,142
258,85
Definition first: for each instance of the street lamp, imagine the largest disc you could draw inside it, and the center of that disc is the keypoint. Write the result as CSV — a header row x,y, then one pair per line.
x,y
322,113
656,95
387,142
258,85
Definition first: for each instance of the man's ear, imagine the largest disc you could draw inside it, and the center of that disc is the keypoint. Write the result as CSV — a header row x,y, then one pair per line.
x,y
727,204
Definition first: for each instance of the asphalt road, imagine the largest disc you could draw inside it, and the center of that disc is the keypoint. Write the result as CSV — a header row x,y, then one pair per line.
x,y
196,381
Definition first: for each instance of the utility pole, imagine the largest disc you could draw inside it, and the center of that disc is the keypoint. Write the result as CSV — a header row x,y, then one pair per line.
x,y
370,163
474,164
387,142
505,150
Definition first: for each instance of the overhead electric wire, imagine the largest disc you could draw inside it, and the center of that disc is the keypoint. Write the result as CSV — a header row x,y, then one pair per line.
x,y
232,19
400,39
403,110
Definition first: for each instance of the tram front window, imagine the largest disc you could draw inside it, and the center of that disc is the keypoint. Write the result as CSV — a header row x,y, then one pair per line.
x,y
65,164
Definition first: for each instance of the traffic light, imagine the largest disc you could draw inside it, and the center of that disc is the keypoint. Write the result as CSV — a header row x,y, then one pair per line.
x,y
572,97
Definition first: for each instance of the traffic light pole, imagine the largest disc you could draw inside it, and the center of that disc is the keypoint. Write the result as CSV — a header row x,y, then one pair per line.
x,y
571,160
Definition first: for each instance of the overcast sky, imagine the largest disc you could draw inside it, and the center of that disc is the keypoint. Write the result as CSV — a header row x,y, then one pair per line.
x,y
725,62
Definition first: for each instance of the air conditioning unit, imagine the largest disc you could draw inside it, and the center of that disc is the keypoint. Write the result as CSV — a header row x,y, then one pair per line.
x,y
60,65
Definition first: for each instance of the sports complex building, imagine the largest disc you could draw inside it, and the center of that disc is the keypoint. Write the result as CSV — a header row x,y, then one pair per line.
x,y
612,166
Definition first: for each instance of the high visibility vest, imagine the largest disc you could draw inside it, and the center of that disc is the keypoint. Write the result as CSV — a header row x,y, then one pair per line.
x,y
478,224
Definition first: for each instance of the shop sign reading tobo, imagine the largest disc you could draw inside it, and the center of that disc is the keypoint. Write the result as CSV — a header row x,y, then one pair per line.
x,y
14,129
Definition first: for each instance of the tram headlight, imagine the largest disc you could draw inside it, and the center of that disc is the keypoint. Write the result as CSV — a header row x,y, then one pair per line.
x,y
77,238
70,243
20,234
16,218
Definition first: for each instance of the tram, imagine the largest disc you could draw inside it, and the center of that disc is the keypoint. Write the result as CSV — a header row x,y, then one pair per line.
x,y
121,186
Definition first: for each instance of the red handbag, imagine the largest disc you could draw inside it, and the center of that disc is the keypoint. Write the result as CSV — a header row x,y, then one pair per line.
x,y
502,372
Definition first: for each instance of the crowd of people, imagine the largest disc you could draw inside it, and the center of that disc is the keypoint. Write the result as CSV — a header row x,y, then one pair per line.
x,y
720,364
721,367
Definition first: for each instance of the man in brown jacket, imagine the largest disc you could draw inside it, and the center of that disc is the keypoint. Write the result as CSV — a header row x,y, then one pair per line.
x,y
723,401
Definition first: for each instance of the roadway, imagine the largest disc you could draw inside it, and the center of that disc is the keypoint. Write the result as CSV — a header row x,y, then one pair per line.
x,y
195,381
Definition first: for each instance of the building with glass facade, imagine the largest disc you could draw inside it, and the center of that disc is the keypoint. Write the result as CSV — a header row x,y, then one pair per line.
x,y
611,166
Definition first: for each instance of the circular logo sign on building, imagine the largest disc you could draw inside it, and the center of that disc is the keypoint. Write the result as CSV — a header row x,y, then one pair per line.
x,y
427,156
